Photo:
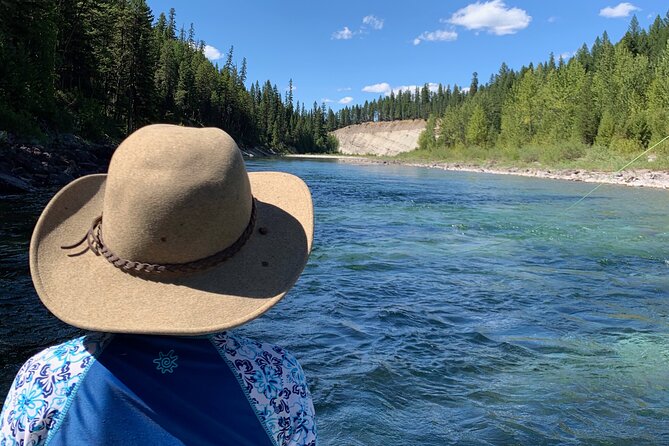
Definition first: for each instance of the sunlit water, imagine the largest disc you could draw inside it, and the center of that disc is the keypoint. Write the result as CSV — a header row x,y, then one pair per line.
x,y
449,308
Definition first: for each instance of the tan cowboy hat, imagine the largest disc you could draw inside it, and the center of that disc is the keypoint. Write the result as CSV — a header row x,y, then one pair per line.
x,y
178,238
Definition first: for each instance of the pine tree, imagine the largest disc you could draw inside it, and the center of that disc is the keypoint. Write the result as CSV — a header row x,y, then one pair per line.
x,y
171,31
633,39
451,130
606,130
183,96
27,63
427,139
519,114
477,128
474,86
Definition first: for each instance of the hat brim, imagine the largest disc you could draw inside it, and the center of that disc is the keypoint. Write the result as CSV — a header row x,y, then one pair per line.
x,y
88,292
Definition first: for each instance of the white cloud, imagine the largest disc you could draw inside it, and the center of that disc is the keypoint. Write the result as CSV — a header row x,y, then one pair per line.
x,y
326,100
368,22
373,22
465,89
344,89
383,87
212,53
440,35
620,10
343,34
493,16
345,100
552,19
566,55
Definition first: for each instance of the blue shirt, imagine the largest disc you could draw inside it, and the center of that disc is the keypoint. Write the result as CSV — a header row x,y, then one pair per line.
x,y
106,389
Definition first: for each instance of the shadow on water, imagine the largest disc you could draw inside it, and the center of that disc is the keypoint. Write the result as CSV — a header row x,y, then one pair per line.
x,y
26,327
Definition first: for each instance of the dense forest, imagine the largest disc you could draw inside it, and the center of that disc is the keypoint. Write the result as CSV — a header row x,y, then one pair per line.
x,y
101,69
610,96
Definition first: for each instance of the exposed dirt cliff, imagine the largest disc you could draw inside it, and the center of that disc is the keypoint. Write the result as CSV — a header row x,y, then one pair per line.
x,y
380,138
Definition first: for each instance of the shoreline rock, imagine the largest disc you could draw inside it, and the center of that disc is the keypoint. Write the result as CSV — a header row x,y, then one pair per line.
x,y
658,179
635,178
25,167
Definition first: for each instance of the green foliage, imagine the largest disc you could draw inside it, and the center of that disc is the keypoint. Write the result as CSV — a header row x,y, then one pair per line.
x,y
477,128
520,111
624,146
28,35
607,127
104,68
451,127
427,139
615,96
658,100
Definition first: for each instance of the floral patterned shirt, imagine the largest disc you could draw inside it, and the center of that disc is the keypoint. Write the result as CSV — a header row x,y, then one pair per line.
x,y
135,389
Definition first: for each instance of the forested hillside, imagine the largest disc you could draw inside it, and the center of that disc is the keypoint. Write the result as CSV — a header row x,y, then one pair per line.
x,y
609,96
101,69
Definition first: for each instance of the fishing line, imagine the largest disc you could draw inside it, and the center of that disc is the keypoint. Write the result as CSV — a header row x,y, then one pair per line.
x,y
618,171
619,309
577,202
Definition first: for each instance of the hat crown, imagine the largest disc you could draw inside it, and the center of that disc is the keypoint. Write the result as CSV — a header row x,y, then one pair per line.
x,y
175,194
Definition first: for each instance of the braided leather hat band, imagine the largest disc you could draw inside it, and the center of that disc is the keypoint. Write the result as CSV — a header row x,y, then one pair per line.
x,y
95,243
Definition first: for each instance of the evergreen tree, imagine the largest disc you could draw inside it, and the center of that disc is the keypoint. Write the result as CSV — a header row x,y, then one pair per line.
x,y
477,128
474,86
103,68
427,139
519,113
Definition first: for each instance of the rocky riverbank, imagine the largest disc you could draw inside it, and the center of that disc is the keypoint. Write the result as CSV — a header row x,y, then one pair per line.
x,y
631,177
25,167
28,166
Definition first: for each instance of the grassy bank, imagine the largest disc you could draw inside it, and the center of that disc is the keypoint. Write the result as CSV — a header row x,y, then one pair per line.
x,y
560,157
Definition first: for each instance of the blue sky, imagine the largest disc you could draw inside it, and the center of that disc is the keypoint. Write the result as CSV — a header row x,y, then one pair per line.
x,y
346,52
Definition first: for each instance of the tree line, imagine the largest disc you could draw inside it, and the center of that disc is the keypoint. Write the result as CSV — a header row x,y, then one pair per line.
x,y
101,69
614,96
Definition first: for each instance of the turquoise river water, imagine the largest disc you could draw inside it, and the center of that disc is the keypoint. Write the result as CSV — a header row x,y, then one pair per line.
x,y
449,308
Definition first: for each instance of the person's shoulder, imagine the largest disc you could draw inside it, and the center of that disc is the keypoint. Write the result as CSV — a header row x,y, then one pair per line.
x,y
239,348
42,387
275,384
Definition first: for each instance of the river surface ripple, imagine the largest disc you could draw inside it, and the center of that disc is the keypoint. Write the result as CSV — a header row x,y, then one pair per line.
x,y
449,308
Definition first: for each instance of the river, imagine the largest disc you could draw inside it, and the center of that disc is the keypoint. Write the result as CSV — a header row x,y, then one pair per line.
x,y
449,307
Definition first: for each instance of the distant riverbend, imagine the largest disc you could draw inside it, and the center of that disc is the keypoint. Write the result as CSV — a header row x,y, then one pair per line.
x,y
447,308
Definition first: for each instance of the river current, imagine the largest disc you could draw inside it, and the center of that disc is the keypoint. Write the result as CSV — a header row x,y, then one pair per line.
x,y
448,307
